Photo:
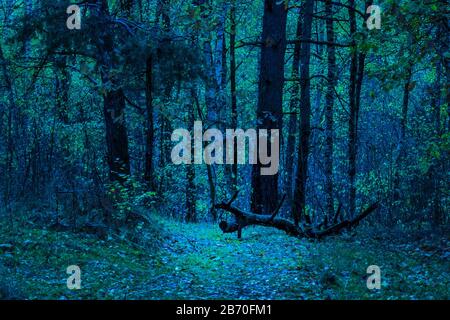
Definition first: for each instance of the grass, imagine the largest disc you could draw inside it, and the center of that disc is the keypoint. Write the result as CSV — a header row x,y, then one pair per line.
x,y
197,261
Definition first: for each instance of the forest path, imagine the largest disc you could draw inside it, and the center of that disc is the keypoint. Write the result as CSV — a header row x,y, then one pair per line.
x,y
196,261
200,262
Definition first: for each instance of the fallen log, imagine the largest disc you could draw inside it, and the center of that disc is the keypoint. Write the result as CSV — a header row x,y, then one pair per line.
x,y
244,219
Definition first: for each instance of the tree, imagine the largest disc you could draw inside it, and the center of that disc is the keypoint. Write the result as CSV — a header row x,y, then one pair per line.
x,y
233,92
329,131
270,97
293,109
298,208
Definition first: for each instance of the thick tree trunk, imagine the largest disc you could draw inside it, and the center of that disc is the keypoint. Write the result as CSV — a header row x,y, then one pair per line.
x,y
270,97
298,208
113,109
116,135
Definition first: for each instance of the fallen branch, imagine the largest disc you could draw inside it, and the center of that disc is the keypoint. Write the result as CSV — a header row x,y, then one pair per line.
x,y
243,219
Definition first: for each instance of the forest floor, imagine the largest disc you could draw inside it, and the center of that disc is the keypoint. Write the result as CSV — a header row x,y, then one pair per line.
x,y
197,261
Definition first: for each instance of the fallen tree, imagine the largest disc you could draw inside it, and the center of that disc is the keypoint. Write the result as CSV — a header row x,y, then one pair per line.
x,y
328,227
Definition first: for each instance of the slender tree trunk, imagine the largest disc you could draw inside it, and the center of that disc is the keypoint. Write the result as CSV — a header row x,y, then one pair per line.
x,y
64,81
264,195
352,130
357,66
213,90
298,209
61,115
293,109
403,126
165,126
329,105
191,214
436,167
149,134
28,13
234,114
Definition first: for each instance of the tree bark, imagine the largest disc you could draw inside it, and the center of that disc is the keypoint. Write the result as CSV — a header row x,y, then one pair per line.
x,y
293,109
149,134
352,129
234,114
113,108
401,144
264,194
165,127
298,208
329,105
191,212
357,66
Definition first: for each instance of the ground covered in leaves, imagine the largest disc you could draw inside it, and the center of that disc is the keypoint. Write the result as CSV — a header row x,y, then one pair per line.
x,y
197,261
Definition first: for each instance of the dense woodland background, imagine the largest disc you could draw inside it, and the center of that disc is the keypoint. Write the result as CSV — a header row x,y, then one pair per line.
x,y
86,118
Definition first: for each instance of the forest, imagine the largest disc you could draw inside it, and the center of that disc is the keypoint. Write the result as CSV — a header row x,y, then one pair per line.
x,y
224,149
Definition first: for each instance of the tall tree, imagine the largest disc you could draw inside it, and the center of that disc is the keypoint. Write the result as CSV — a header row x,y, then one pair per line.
x,y
357,66
114,103
264,195
329,104
353,112
298,208
293,109
234,114
149,134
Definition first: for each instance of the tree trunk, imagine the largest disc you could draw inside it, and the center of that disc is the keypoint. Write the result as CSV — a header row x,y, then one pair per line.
x,y
357,66
116,135
149,134
165,126
329,105
270,97
293,109
113,109
191,214
352,112
234,114
298,208
403,126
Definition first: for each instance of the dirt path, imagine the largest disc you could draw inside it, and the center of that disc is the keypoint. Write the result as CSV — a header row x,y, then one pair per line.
x,y
197,261
202,263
